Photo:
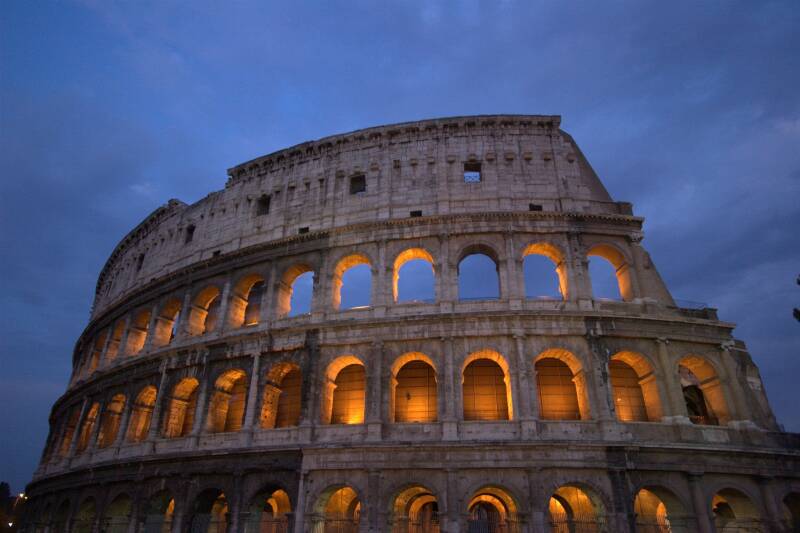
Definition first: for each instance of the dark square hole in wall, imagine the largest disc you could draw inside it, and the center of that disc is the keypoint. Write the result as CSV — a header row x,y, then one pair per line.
x,y
417,213
472,172
189,234
262,206
303,230
534,207
358,184
216,253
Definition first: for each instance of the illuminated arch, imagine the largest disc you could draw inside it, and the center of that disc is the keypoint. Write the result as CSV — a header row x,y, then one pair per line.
x,y
409,254
114,342
658,510
634,388
244,307
88,427
268,510
554,254
227,405
167,322
179,421
480,249
732,510
337,509
345,264
414,396
204,315
621,267
486,402
110,421
160,512
210,512
703,391
286,287
561,386
137,332
344,391
281,399
141,415
415,508
492,508
576,507
96,350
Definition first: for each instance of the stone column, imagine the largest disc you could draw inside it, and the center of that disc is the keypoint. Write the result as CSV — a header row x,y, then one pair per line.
x,y
733,390
373,396
123,425
701,506
675,407
200,409
579,284
268,300
515,291
252,393
98,423
236,502
101,363
444,282
774,518
269,408
453,516
122,349
380,292
155,417
523,385
538,516
224,305
450,416
151,328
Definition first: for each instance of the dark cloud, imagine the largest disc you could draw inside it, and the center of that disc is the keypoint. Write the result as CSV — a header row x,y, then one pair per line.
x,y
691,111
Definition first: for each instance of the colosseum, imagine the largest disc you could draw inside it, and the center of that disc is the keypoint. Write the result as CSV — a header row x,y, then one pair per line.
x,y
227,383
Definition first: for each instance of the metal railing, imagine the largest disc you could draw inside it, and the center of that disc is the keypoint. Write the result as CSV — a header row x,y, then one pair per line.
x,y
562,523
264,523
493,524
663,525
335,525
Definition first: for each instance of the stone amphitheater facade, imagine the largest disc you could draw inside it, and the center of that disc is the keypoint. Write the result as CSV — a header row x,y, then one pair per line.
x,y
202,401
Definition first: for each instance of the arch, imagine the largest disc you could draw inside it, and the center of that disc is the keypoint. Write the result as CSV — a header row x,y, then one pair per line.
x,y
244,307
414,509
621,266
210,512
109,423
167,322
658,510
112,350
733,511
475,279
137,332
85,516
407,255
93,361
227,405
87,428
159,512
791,511
702,391
414,396
281,400
576,507
347,405
561,386
70,427
286,302
204,314
556,256
118,514
492,509
179,421
141,414
634,388
486,387
337,510
267,511
345,264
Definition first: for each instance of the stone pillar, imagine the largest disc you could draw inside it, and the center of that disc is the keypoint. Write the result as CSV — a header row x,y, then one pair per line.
x,y
373,396
450,416
155,418
538,522
444,276
701,506
524,387
514,291
122,349
98,423
268,298
236,503
224,305
579,284
733,390
381,289
151,329
674,406
101,363
453,516
773,515
123,425
76,433
200,409
269,409
252,394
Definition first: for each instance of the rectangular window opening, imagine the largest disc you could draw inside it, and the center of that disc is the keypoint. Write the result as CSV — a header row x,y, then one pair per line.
x,y
472,172
358,184
189,234
534,207
417,213
303,230
139,262
262,206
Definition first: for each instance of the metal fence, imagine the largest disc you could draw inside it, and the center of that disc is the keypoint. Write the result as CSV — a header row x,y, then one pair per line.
x,y
428,524
264,523
493,524
664,525
562,523
335,525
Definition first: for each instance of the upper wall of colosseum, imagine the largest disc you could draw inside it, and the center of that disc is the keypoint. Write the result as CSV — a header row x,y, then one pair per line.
x,y
397,171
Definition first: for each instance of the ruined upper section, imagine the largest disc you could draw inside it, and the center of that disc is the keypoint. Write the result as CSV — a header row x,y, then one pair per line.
x,y
479,164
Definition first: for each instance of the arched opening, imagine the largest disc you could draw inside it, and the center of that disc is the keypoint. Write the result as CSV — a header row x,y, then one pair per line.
x,y
610,275
544,271
573,508
344,392
486,387
492,510
478,274
295,291
267,512
415,510
734,512
179,421
659,511
338,510
117,515
166,324
417,282
634,388
61,517
160,511
109,423
791,511
414,394
352,282
139,423
114,342
88,427
245,303
702,392
137,332
69,432
226,409
280,404
561,386
204,314
210,513
96,351
85,517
